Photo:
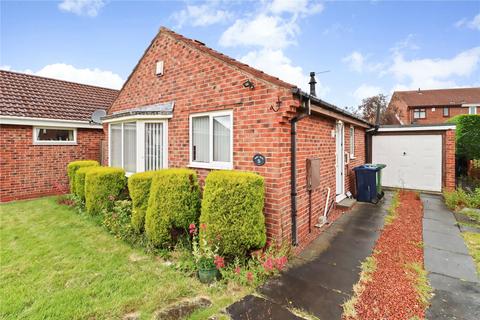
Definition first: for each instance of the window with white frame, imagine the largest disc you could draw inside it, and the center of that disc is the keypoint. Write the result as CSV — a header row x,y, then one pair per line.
x,y
138,146
211,141
419,113
54,136
472,110
352,142
446,111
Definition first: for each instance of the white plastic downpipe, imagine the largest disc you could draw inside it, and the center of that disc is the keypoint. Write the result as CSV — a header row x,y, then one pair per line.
x,y
322,220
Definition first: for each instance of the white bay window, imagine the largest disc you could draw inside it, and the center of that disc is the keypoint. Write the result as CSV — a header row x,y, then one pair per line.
x,y
211,140
138,146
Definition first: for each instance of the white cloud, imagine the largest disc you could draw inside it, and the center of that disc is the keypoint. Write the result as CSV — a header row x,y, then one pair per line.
x,y
472,24
201,15
263,31
434,73
355,60
275,63
62,71
82,7
304,7
366,91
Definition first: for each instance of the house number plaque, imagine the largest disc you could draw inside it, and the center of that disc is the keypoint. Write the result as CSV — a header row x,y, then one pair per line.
x,y
259,159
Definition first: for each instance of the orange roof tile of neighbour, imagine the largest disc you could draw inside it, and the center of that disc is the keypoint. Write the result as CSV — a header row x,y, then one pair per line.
x,y
24,95
440,97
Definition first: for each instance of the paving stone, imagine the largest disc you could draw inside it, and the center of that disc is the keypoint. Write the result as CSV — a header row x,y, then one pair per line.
x,y
439,226
443,216
256,308
454,243
449,263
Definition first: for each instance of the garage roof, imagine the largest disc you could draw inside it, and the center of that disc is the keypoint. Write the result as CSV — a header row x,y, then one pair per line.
x,y
24,95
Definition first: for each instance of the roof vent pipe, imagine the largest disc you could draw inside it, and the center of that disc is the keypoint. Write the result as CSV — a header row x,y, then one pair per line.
x,y
312,84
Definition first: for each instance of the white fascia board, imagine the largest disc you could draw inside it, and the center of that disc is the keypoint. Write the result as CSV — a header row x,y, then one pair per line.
x,y
47,122
466,105
138,117
426,128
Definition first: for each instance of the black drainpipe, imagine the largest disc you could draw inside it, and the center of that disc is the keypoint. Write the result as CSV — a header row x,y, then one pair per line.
x,y
293,154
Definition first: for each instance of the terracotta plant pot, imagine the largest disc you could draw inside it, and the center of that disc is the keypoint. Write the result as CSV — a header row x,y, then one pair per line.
x,y
207,275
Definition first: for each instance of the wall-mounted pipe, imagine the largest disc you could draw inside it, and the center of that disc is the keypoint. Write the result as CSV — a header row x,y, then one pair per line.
x,y
322,220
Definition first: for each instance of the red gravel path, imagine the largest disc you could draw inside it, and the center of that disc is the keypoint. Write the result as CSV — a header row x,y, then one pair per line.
x,y
391,293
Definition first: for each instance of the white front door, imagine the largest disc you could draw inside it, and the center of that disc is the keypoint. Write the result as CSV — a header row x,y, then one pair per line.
x,y
152,145
340,161
413,161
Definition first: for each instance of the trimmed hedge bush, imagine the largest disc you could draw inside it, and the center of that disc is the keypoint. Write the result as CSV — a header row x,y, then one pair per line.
x,y
232,210
72,168
174,203
79,181
139,188
103,185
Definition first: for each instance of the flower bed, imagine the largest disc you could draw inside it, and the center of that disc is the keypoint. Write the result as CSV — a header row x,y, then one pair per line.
x,y
393,283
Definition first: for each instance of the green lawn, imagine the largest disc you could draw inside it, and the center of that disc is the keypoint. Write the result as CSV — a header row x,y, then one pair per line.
x,y
57,264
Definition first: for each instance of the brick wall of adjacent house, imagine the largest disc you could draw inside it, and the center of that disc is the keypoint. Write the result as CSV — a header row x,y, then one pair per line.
x,y
198,82
449,163
29,171
434,115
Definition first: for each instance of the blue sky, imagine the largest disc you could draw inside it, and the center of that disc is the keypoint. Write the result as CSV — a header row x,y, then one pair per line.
x,y
369,47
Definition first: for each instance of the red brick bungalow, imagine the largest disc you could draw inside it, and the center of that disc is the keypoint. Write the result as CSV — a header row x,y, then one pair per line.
x,y
45,124
186,105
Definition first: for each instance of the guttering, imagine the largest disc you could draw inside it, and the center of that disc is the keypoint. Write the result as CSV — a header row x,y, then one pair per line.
x,y
293,168
417,128
137,117
48,122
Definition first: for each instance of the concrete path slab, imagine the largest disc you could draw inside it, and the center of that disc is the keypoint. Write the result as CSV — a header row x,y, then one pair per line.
x,y
321,279
451,269
440,226
256,308
450,264
453,243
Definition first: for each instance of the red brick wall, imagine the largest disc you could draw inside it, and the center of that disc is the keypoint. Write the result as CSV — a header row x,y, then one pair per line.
x,y
449,181
434,115
314,140
198,82
29,171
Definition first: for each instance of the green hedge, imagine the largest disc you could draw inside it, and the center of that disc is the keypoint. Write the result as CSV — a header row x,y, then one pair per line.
x,y
467,135
103,185
72,167
232,210
79,181
174,203
139,189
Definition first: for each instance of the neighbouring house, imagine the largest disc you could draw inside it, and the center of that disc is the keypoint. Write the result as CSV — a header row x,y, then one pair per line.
x,y
434,106
45,124
186,105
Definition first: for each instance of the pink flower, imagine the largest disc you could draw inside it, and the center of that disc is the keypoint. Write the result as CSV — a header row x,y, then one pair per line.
x,y
237,270
219,262
268,265
203,226
192,229
280,263
249,276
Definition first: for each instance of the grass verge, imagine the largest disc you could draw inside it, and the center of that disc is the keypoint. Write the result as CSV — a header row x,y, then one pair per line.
x,y
56,264
420,280
392,210
473,243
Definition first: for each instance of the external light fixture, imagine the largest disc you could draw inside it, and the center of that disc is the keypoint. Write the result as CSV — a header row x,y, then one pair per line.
x,y
249,84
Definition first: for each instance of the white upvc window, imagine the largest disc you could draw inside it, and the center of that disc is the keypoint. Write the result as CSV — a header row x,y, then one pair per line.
x,y
54,136
138,146
211,140
419,113
472,110
352,142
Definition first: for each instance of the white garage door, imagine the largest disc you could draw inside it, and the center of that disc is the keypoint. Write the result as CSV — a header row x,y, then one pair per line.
x,y
413,161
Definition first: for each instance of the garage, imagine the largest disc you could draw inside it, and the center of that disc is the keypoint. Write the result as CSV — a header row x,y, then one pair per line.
x,y
417,157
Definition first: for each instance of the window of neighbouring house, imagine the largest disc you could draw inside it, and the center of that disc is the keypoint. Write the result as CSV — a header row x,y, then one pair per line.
x,y
446,112
419,113
211,140
472,110
352,142
138,146
54,136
